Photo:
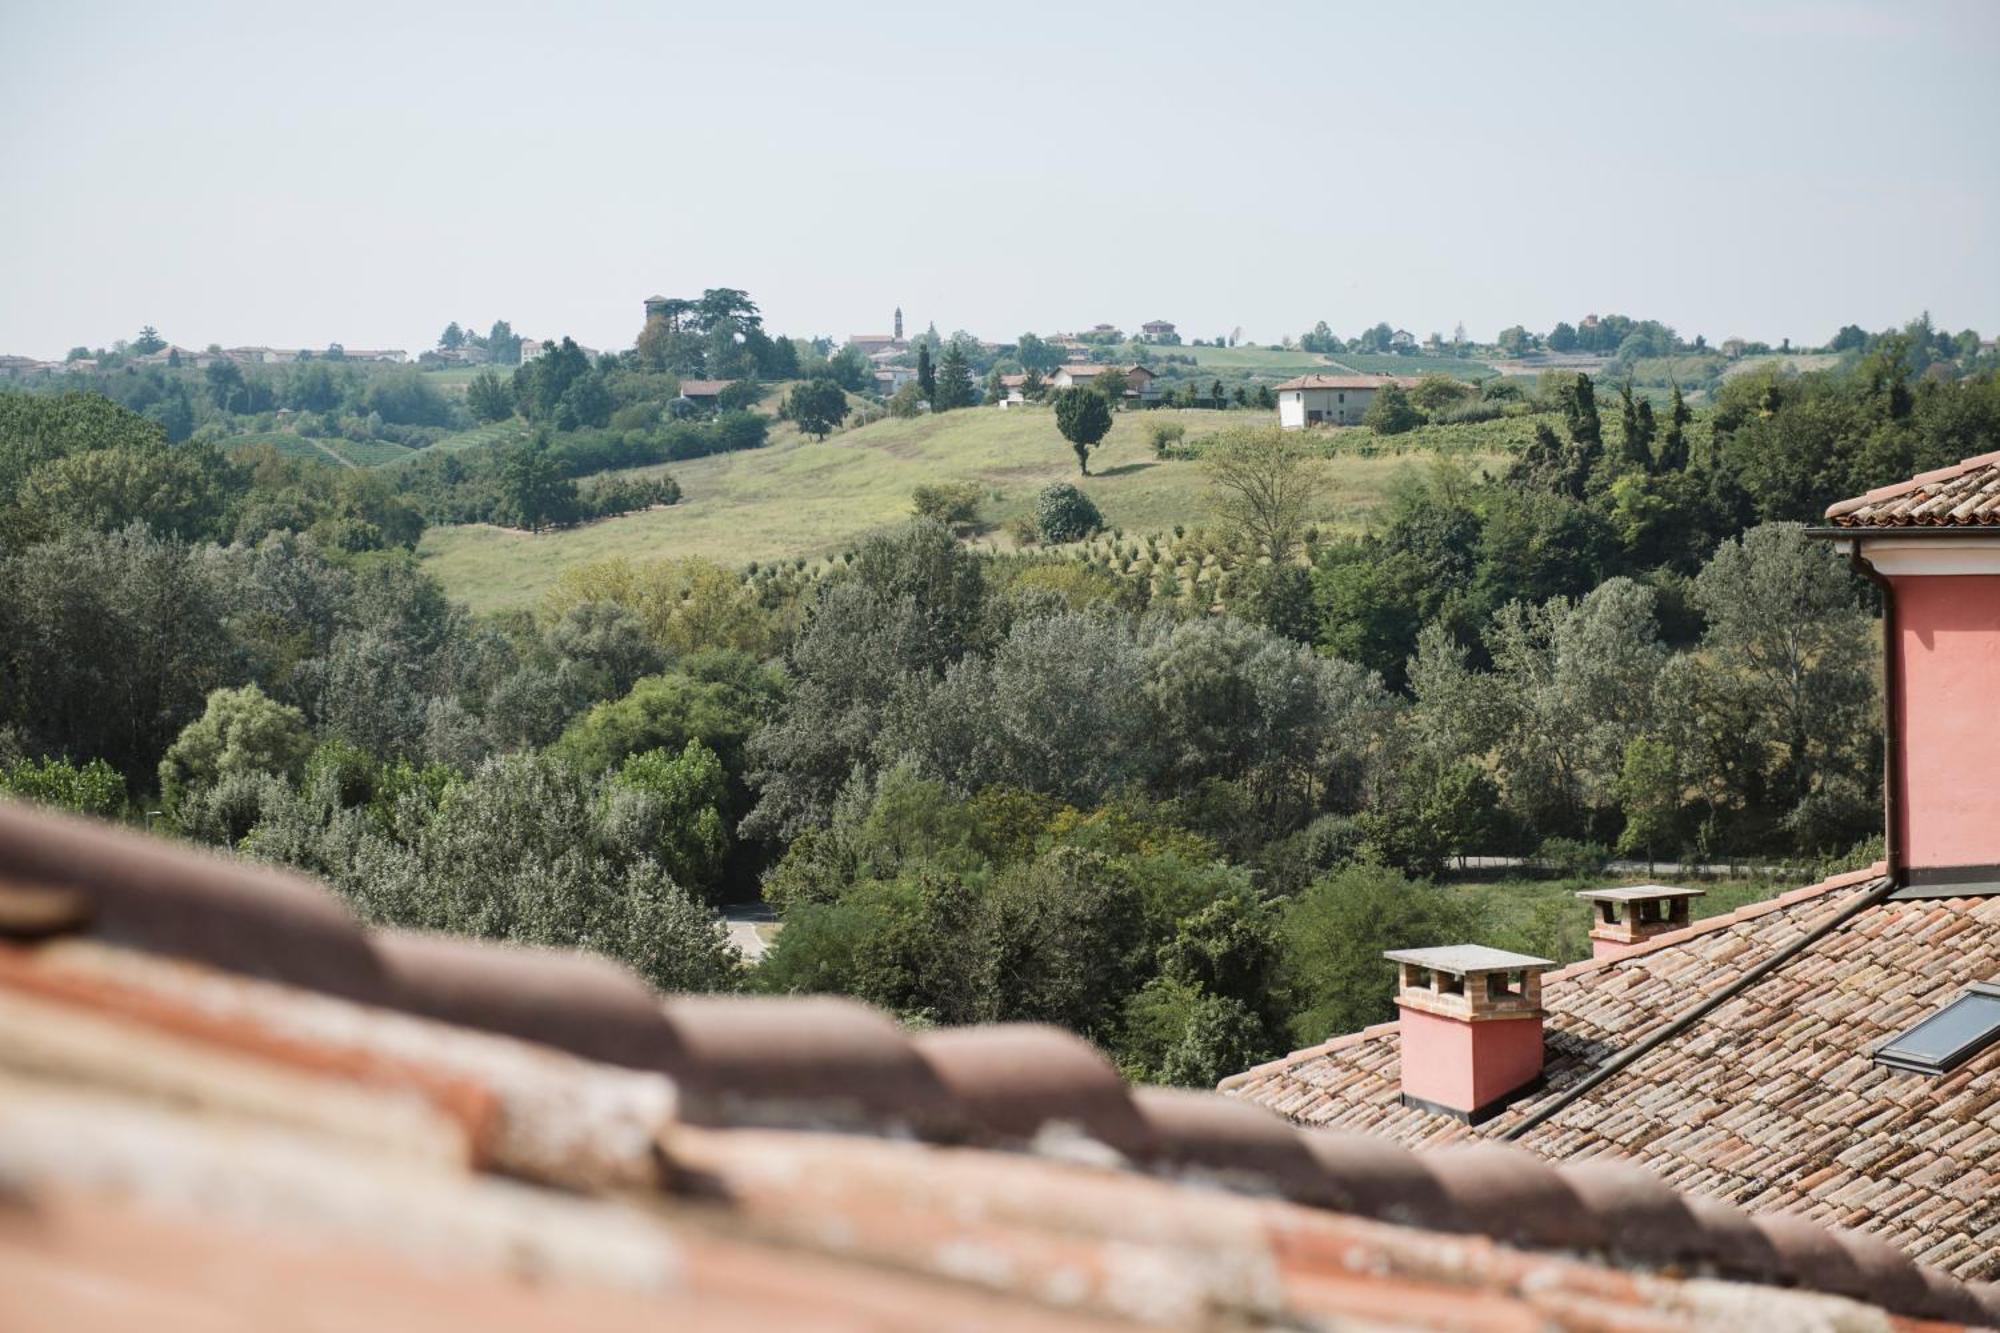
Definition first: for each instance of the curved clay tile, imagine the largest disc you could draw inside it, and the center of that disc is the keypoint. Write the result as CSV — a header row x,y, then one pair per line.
x,y
818,1058
1012,1080
145,893
1888,1276
580,1003
1375,1178
1811,1255
1515,1197
1214,1135
1641,1216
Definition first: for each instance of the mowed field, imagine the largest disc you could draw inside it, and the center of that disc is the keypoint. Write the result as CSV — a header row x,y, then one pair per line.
x,y
807,498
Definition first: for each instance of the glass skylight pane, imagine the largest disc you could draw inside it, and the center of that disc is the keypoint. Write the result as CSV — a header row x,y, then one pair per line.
x,y
1950,1036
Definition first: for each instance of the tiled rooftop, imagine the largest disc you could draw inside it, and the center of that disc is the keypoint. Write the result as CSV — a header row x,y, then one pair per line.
x,y
226,1105
1966,494
1771,1100
1347,382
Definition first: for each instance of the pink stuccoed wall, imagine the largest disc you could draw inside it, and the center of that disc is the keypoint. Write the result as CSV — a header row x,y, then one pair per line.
x,y
1948,634
1467,1065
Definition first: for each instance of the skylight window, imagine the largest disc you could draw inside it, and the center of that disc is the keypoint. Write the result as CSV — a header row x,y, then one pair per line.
x,y
1949,1037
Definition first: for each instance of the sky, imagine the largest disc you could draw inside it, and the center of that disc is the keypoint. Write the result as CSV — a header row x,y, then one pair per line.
x,y
296,175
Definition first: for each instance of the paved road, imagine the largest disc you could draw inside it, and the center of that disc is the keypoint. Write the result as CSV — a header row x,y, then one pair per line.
x,y
743,920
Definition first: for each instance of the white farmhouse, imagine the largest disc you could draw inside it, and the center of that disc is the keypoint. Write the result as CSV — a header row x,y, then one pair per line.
x,y
1330,400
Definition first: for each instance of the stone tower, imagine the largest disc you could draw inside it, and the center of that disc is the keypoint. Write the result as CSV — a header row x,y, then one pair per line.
x,y
899,324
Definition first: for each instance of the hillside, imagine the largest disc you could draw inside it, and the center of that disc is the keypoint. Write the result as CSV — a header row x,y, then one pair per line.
x,y
806,498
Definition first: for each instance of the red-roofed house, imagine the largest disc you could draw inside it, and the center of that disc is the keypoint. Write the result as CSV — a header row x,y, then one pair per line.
x,y
1832,1054
1330,400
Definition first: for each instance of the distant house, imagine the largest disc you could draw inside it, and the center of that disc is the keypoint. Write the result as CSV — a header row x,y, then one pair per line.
x,y
888,379
868,344
442,358
273,356
395,356
1733,347
704,393
1139,381
1159,331
180,356
1330,400
1403,341
1013,390
532,348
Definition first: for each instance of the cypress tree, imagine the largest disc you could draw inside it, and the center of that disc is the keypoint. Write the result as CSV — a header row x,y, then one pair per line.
x,y
1673,455
926,377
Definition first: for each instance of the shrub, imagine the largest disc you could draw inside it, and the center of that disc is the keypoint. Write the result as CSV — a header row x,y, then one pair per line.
x,y
1165,436
1065,514
94,789
949,503
1569,858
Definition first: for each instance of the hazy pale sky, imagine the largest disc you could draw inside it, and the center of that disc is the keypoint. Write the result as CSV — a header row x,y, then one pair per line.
x,y
293,175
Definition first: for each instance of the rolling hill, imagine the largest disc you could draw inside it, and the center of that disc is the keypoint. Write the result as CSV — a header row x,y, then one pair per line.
x,y
800,498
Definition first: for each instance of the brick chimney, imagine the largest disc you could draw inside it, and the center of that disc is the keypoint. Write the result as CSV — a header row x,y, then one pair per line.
x,y
1932,544
1624,917
1471,1028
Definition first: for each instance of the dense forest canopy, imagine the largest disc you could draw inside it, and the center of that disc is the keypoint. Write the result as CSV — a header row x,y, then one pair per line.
x,y
975,786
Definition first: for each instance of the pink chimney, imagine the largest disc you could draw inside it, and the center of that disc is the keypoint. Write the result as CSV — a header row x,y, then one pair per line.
x,y
1932,544
1471,1027
1623,918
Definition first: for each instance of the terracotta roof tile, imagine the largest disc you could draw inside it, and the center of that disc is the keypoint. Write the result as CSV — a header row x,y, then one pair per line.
x,y
1347,382
517,1139
1771,1100
1966,494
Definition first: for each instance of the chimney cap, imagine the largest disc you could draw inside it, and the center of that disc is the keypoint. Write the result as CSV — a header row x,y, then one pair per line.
x,y
1638,893
1461,960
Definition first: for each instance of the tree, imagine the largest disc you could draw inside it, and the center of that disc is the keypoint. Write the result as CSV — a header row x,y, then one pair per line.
x,y
1786,637
489,398
1084,418
1673,452
1065,514
112,643
1635,416
672,807
1336,932
1265,482
816,407
1392,412
226,386
1579,406
953,387
534,489
926,375
1562,338
148,342
240,731
1037,355
452,338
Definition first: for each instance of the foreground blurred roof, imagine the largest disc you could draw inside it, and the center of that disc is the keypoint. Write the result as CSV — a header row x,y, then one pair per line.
x,y
224,1104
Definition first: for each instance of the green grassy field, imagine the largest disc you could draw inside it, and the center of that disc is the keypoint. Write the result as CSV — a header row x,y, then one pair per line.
x,y
1270,360
500,432
808,498
1799,361
1458,367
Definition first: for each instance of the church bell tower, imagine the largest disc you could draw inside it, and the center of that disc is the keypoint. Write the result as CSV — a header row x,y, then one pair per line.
x,y
899,323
